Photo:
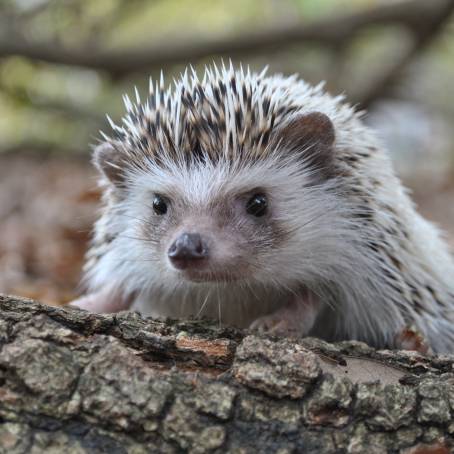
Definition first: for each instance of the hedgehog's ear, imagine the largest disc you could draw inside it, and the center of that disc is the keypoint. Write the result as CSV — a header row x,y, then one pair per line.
x,y
110,162
312,135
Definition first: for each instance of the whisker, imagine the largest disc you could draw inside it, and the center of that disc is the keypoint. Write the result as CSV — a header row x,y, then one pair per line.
x,y
145,221
146,240
219,308
132,260
204,304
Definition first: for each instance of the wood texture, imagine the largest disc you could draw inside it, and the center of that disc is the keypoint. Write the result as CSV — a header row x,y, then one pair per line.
x,y
71,381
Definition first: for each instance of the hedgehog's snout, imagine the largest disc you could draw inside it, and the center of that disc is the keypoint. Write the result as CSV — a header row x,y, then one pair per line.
x,y
188,250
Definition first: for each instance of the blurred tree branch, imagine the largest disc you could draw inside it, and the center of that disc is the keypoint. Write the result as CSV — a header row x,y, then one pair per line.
x,y
413,14
42,149
424,31
421,18
38,101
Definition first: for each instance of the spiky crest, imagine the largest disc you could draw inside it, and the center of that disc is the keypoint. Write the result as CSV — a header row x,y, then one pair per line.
x,y
229,113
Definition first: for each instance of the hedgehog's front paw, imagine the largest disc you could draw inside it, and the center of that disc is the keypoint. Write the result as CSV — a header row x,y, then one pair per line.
x,y
93,302
277,323
410,338
294,319
102,302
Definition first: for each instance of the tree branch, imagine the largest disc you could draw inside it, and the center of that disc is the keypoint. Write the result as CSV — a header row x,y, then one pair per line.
x,y
40,102
423,34
410,13
71,381
42,149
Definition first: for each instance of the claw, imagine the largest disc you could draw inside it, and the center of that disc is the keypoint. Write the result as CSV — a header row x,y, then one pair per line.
x,y
294,319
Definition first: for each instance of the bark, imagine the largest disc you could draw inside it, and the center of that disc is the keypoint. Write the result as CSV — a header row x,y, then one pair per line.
x,y
71,381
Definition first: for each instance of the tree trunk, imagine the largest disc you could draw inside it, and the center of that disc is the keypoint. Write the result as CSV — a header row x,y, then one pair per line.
x,y
72,381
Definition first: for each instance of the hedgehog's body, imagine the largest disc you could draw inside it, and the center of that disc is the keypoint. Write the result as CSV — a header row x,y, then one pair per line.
x,y
244,195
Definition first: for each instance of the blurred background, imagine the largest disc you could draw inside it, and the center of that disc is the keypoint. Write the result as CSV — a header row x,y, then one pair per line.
x,y
64,64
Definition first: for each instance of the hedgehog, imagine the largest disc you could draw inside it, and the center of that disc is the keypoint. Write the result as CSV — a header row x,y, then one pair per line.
x,y
266,203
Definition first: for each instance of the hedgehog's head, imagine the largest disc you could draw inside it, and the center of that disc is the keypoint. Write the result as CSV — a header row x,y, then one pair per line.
x,y
221,180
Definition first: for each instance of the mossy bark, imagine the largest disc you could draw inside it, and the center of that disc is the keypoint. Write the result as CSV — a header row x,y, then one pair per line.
x,y
71,381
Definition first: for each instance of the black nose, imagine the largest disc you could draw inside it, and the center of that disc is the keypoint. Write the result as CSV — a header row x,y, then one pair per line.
x,y
186,249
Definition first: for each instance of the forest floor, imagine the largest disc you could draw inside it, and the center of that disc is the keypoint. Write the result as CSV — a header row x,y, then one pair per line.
x,y
48,206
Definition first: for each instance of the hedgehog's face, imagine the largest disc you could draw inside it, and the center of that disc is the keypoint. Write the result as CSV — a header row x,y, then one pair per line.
x,y
208,222
229,218
214,241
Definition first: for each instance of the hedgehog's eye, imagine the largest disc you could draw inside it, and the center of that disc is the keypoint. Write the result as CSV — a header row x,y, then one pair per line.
x,y
159,205
257,205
